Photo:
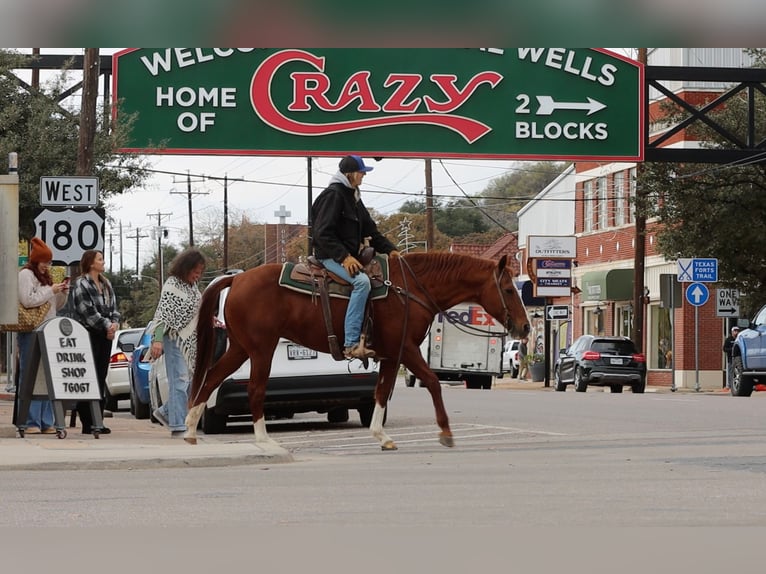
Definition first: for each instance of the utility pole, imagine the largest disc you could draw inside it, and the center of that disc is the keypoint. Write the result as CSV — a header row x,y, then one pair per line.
x,y
160,258
88,112
226,182
189,197
137,237
639,253
429,208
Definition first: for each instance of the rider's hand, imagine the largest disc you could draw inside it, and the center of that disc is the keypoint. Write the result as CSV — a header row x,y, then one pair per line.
x,y
351,265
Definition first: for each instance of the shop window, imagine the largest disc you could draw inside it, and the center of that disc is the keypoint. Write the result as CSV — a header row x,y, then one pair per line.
x,y
594,321
625,320
588,206
619,198
660,351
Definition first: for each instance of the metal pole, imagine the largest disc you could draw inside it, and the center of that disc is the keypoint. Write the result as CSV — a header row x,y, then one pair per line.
x,y
673,334
696,349
309,195
226,222
191,222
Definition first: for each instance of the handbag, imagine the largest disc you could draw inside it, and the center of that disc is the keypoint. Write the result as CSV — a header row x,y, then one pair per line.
x,y
29,318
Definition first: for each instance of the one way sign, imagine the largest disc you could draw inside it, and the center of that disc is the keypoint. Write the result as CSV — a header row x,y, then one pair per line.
x,y
727,303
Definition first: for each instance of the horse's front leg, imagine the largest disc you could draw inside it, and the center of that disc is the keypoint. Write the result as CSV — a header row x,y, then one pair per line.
x,y
419,368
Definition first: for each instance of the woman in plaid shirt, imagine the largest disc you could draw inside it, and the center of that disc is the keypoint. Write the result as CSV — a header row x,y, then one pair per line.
x,y
95,306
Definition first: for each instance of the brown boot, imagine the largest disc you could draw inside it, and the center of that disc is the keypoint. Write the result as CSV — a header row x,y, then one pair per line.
x,y
358,351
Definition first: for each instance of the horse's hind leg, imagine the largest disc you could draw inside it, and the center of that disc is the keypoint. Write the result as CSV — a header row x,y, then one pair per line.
x,y
386,380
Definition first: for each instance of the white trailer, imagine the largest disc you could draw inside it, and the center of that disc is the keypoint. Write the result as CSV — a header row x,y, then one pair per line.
x,y
464,344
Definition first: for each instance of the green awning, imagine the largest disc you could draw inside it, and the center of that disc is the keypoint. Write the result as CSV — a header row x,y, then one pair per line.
x,y
610,285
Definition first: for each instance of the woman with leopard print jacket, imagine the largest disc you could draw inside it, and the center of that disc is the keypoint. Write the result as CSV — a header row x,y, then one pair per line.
x,y
175,335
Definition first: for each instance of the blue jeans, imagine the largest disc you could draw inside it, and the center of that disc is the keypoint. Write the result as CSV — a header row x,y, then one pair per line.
x,y
40,411
355,310
177,405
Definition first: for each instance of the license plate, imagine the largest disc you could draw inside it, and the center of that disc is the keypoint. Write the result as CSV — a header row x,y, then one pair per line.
x,y
615,361
296,352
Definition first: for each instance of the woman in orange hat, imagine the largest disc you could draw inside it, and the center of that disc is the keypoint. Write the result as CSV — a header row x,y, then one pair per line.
x,y
36,287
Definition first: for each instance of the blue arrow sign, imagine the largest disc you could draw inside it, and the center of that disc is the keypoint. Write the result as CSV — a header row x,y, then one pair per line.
x,y
697,294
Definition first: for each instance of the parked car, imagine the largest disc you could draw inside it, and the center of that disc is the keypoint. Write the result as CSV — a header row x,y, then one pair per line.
x,y
301,380
117,377
601,361
749,356
511,358
140,365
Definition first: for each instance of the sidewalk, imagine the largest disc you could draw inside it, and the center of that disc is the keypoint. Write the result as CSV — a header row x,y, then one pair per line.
x,y
132,444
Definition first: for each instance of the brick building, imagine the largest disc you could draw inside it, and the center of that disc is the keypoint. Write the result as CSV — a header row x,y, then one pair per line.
x,y
592,201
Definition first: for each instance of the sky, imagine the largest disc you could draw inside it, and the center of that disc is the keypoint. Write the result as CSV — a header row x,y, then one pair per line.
x,y
268,184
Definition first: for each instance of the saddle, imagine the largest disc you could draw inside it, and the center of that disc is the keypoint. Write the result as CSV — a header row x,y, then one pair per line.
x,y
314,279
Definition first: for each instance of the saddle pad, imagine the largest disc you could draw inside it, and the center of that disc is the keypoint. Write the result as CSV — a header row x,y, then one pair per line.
x,y
334,289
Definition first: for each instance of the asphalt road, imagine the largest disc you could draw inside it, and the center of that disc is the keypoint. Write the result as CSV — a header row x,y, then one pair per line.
x,y
522,459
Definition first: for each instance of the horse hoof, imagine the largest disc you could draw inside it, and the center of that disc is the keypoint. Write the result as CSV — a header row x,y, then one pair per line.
x,y
191,439
446,440
389,445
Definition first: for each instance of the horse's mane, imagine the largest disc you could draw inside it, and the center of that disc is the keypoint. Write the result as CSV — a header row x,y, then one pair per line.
x,y
446,266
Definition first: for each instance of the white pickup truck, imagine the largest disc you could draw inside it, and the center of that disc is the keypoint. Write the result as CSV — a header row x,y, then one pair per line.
x,y
464,344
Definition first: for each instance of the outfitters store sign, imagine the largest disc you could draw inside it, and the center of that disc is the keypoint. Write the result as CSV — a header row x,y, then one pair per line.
x,y
524,103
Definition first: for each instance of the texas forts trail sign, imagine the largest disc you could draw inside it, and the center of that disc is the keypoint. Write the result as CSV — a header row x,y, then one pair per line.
x,y
523,103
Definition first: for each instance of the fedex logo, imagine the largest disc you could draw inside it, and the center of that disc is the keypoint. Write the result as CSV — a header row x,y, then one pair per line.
x,y
474,315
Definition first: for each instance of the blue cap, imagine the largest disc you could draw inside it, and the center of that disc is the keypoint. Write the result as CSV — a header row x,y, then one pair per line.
x,y
352,163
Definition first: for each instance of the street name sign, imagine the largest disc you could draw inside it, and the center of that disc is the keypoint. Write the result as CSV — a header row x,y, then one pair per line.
x,y
71,191
557,312
492,103
702,270
727,303
697,294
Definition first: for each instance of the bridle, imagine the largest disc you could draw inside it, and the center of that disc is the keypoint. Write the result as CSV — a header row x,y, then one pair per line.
x,y
507,318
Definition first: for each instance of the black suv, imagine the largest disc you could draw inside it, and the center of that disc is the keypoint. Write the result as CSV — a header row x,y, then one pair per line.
x,y
601,361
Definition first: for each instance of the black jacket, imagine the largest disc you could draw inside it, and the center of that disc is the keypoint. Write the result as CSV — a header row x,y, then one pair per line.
x,y
728,346
340,223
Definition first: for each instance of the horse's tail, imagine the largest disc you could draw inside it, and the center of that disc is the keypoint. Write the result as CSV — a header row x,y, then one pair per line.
x,y
206,332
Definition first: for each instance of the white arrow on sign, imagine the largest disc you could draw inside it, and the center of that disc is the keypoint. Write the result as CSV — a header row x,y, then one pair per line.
x,y
698,294
548,105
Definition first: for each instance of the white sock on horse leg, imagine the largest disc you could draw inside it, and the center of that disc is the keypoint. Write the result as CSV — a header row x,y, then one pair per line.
x,y
376,425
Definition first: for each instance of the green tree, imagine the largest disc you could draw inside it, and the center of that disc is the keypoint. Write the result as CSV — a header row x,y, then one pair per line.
x,y
44,132
504,196
716,210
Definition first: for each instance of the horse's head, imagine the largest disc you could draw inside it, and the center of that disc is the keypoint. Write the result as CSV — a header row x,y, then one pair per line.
x,y
502,300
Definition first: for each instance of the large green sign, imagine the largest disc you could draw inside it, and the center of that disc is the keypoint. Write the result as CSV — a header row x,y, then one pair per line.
x,y
525,103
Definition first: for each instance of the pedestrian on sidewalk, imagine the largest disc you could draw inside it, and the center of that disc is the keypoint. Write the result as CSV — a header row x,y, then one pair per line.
x,y
95,307
175,335
523,359
36,288
728,348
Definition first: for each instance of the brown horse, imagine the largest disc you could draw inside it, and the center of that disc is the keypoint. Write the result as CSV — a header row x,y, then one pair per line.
x,y
258,312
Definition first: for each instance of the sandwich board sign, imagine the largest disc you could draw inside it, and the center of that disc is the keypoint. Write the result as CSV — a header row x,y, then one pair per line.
x,y
61,368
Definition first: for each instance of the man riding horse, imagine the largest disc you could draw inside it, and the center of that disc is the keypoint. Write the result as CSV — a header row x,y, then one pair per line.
x,y
340,222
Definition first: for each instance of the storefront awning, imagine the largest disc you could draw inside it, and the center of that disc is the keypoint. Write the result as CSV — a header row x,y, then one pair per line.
x,y
610,285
